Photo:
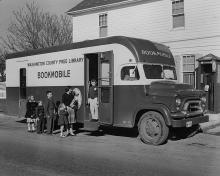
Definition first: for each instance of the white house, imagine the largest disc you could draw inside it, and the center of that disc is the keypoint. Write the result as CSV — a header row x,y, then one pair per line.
x,y
191,28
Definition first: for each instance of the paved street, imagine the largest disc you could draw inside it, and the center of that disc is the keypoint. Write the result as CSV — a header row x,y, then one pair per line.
x,y
29,154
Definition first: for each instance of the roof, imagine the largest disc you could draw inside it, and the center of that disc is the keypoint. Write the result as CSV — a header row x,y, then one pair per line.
x,y
89,5
208,57
85,4
143,50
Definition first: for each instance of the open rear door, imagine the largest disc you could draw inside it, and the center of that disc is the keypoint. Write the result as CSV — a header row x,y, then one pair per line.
x,y
22,93
105,83
209,80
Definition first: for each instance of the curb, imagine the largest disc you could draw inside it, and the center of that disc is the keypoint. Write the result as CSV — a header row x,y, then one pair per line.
x,y
209,126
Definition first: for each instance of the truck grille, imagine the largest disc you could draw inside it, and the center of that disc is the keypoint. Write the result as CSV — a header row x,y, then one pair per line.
x,y
193,106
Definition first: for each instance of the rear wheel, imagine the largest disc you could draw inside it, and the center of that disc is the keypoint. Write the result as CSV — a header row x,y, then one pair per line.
x,y
152,128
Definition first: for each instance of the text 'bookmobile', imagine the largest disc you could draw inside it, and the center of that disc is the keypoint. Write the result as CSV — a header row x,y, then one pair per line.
x,y
137,84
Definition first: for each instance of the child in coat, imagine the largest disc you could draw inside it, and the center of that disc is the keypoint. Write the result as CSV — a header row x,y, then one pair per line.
x,y
30,113
40,117
62,121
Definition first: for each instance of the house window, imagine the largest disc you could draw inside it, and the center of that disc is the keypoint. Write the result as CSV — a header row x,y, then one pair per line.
x,y
178,13
103,27
189,69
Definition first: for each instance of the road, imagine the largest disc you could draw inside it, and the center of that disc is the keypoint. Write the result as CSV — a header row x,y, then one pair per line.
x,y
30,154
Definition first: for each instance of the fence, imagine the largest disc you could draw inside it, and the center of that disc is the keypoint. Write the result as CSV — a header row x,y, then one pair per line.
x,y
2,90
2,94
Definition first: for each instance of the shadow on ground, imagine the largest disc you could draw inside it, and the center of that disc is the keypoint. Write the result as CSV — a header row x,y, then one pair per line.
x,y
22,121
183,133
175,134
111,131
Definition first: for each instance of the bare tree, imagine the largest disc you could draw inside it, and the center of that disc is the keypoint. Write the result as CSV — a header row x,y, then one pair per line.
x,y
33,28
2,65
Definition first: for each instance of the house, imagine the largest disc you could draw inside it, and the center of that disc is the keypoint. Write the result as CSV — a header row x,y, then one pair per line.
x,y
191,28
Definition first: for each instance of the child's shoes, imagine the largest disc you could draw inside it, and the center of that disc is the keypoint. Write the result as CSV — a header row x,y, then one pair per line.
x,y
62,135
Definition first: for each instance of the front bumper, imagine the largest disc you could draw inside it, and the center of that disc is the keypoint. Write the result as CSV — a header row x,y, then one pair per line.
x,y
193,121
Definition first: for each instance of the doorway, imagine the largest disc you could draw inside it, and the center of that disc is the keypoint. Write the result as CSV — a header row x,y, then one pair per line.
x,y
22,92
99,66
91,72
208,84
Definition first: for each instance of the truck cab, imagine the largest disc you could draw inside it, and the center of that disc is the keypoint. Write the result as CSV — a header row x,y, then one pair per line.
x,y
142,91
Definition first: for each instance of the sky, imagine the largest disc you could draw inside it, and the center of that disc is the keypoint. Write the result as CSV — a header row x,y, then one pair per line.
x,y
54,6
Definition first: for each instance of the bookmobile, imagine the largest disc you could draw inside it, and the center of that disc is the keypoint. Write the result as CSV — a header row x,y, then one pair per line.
x,y
137,84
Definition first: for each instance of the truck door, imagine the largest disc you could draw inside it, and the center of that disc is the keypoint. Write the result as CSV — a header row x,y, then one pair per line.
x,y
105,84
209,81
22,92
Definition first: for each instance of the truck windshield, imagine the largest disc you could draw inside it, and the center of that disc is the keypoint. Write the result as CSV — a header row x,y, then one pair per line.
x,y
159,72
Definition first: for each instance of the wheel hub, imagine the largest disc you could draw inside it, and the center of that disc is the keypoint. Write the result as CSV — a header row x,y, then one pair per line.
x,y
152,128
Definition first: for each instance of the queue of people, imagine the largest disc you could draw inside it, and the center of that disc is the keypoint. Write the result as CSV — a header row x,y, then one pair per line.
x,y
37,113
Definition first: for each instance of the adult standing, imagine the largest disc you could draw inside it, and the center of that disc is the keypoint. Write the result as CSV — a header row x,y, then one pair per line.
x,y
67,99
50,112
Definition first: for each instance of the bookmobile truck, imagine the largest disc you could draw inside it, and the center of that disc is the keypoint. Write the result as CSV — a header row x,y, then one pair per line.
x,y
137,84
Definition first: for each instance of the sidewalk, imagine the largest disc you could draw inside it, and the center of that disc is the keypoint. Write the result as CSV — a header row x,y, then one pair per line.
x,y
214,122
3,115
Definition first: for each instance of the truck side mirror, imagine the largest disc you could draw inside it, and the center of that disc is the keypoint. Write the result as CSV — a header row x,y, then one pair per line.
x,y
132,73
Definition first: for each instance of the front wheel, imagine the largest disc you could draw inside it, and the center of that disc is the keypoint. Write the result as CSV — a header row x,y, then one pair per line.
x,y
152,128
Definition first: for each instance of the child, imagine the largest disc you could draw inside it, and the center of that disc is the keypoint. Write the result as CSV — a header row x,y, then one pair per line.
x,y
56,126
50,112
93,100
62,121
30,113
40,117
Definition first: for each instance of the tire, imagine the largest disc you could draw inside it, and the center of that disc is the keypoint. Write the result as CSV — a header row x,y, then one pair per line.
x,y
152,128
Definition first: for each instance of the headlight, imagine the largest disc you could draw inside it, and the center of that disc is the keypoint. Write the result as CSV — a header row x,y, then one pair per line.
x,y
178,101
203,99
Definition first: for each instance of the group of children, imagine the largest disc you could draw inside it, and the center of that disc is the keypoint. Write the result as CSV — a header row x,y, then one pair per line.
x,y
36,116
